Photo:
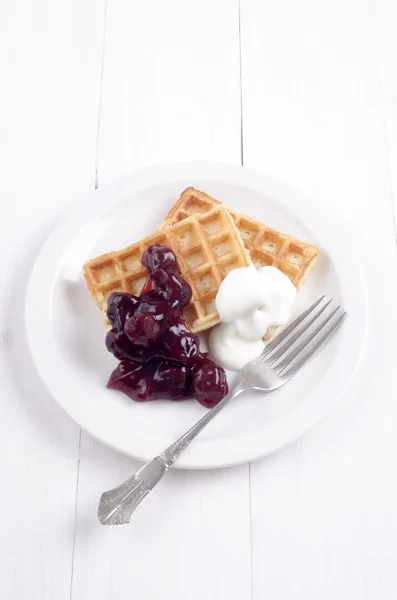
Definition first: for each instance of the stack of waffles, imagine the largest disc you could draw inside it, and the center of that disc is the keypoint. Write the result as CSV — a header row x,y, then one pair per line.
x,y
209,240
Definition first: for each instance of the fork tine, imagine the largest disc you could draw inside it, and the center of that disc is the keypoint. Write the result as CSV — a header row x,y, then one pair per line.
x,y
299,355
297,328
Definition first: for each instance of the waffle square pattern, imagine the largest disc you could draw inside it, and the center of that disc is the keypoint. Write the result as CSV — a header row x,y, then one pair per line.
x,y
265,245
207,244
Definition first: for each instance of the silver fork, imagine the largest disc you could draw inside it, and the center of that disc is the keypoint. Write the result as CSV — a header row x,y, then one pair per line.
x,y
280,360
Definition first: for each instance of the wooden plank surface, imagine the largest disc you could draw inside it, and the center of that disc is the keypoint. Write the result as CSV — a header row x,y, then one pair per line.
x,y
171,84
385,23
50,65
323,511
168,93
90,92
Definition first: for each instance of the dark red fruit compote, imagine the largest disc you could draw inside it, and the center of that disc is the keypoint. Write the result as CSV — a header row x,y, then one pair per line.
x,y
160,357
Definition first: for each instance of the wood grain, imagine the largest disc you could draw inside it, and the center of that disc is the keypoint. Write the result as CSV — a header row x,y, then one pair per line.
x,y
323,524
171,84
168,93
50,65
385,23
318,85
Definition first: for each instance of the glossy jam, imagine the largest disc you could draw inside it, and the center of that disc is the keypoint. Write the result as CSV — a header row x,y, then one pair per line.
x,y
160,357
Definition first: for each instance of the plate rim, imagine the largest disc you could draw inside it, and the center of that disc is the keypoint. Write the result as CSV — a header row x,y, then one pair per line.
x,y
96,201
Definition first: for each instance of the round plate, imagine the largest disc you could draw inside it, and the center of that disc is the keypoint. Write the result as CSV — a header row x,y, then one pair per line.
x,y
66,332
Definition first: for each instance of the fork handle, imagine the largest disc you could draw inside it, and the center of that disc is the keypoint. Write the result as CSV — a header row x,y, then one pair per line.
x,y
117,506
173,452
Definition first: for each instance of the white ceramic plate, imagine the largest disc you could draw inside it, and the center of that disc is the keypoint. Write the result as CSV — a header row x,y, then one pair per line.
x,y
66,332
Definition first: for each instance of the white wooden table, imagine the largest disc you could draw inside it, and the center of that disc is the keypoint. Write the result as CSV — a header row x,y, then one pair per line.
x,y
306,91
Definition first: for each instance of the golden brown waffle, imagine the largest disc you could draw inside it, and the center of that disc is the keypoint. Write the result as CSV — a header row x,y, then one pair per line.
x,y
207,247
266,246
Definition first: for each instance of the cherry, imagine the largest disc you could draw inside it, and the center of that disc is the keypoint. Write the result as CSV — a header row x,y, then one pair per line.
x,y
121,307
154,305
209,383
173,288
179,342
160,357
142,329
158,257
151,381
174,380
123,349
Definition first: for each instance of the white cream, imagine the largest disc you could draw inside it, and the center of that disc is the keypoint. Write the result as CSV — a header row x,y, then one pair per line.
x,y
249,301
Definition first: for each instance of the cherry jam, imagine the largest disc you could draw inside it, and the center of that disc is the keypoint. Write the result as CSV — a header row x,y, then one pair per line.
x,y
160,357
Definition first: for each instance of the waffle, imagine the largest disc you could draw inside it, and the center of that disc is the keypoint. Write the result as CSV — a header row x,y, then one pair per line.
x,y
266,246
207,247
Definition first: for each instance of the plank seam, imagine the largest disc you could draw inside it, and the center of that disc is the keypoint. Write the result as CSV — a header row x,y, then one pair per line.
x,y
100,97
383,117
75,517
241,89
250,527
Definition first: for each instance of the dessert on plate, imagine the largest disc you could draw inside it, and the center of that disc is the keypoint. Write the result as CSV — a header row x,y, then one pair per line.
x,y
266,246
207,246
205,264
160,357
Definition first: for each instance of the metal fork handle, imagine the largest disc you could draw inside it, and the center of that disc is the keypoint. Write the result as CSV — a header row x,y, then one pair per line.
x,y
117,506
279,361
173,452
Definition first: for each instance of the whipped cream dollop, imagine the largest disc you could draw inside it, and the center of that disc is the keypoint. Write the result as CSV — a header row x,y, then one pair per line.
x,y
249,301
